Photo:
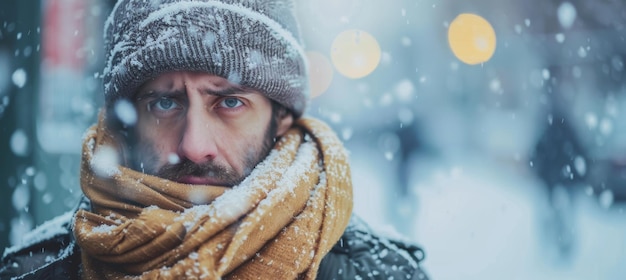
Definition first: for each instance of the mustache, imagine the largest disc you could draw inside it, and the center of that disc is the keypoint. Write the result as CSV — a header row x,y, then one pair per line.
x,y
187,167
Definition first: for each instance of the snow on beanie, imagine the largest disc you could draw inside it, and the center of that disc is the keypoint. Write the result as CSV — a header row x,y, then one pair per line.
x,y
253,43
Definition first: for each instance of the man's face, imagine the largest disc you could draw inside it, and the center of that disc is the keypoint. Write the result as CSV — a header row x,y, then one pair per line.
x,y
198,128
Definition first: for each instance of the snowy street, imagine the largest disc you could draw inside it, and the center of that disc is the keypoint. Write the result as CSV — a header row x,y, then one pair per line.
x,y
478,219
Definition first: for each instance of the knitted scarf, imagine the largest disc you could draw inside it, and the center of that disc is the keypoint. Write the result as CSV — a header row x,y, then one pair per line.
x,y
277,224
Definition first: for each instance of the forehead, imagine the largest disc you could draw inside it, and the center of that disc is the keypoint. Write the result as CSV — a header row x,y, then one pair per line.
x,y
178,80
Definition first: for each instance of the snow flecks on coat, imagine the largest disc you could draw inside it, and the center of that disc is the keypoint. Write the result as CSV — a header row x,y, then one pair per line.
x,y
47,230
362,254
104,228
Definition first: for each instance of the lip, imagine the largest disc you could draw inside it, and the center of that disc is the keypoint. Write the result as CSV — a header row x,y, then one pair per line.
x,y
195,180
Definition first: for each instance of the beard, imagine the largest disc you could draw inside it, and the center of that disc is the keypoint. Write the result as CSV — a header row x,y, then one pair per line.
x,y
145,153
225,175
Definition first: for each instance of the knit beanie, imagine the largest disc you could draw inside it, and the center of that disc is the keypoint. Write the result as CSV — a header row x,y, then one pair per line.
x,y
252,43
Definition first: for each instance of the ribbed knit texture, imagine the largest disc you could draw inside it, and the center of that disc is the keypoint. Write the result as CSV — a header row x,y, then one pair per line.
x,y
255,44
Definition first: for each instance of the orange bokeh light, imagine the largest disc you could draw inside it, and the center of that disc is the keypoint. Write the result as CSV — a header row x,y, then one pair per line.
x,y
320,73
472,39
355,53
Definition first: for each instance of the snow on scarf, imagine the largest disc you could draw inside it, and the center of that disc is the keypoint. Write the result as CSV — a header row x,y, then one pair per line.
x,y
277,224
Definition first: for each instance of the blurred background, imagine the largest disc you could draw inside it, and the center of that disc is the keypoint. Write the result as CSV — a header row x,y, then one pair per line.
x,y
489,132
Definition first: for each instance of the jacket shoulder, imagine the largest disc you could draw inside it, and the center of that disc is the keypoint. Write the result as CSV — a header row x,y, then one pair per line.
x,y
47,252
362,254
51,229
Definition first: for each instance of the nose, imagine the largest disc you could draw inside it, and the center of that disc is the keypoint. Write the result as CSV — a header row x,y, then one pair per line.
x,y
198,141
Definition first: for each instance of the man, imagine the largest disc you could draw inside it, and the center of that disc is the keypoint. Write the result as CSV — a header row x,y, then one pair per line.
x,y
202,166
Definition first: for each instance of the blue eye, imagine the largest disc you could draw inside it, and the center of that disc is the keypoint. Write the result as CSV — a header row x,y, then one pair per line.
x,y
231,102
165,104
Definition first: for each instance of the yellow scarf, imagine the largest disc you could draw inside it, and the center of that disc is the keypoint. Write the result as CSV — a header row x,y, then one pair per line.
x,y
277,224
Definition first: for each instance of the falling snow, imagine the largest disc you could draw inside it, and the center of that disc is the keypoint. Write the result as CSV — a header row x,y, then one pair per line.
x,y
606,198
173,158
126,112
404,90
566,14
105,162
580,165
19,143
21,197
19,78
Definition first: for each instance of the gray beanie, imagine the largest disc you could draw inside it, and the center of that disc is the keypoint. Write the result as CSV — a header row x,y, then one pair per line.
x,y
255,44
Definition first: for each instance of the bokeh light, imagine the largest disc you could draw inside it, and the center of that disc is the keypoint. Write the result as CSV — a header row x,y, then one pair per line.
x,y
471,38
355,53
320,73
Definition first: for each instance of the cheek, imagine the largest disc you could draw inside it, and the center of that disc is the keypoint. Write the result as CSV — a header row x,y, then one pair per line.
x,y
252,134
158,140
253,142
237,146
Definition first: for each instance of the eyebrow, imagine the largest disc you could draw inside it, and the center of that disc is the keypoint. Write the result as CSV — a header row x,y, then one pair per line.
x,y
221,93
227,91
157,93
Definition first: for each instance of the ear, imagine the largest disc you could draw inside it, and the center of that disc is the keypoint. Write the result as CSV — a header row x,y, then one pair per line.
x,y
284,123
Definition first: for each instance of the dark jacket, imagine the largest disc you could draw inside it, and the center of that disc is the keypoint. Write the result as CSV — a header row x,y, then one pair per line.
x,y
50,252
